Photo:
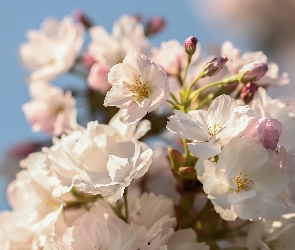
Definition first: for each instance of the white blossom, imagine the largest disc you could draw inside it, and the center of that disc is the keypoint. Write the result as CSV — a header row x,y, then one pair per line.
x,y
244,182
275,234
98,229
209,130
52,50
139,87
35,210
98,160
127,37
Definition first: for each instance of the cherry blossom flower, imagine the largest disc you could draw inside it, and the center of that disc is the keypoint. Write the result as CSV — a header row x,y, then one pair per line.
x,y
209,130
152,220
98,160
53,49
51,110
127,37
130,131
244,182
35,210
272,234
139,87
98,229
172,56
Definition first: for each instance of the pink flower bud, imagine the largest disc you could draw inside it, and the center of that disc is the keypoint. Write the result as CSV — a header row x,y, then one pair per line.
x,y
253,71
267,132
98,78
213,67
248,92
23,149
88,60
82,18
155,25
190,45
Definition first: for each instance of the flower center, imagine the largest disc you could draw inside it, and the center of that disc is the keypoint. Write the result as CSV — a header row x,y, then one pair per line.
x,y
212,132
140,90
242,182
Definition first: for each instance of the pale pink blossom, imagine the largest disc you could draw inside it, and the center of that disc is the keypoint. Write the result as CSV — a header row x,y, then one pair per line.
x,y
35,210
98,78
53,49
51,110
139,86
127,37
172,56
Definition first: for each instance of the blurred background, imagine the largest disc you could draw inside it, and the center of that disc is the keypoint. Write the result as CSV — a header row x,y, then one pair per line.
x,y
251,25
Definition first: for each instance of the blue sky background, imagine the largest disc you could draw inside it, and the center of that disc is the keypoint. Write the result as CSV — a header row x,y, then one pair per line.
x,y
19,16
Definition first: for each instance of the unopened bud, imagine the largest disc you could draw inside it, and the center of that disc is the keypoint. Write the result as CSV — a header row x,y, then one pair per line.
x,y
82,18
155,25
187,173
213,67
176,159
88,60
248,92
190,45
253,71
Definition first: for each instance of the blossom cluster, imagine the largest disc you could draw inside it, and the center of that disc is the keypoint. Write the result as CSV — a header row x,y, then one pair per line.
x,y
179,151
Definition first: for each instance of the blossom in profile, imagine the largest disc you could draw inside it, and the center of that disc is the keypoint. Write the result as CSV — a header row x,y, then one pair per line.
x,y
209,130
245,182
139,87
52,50
51,110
